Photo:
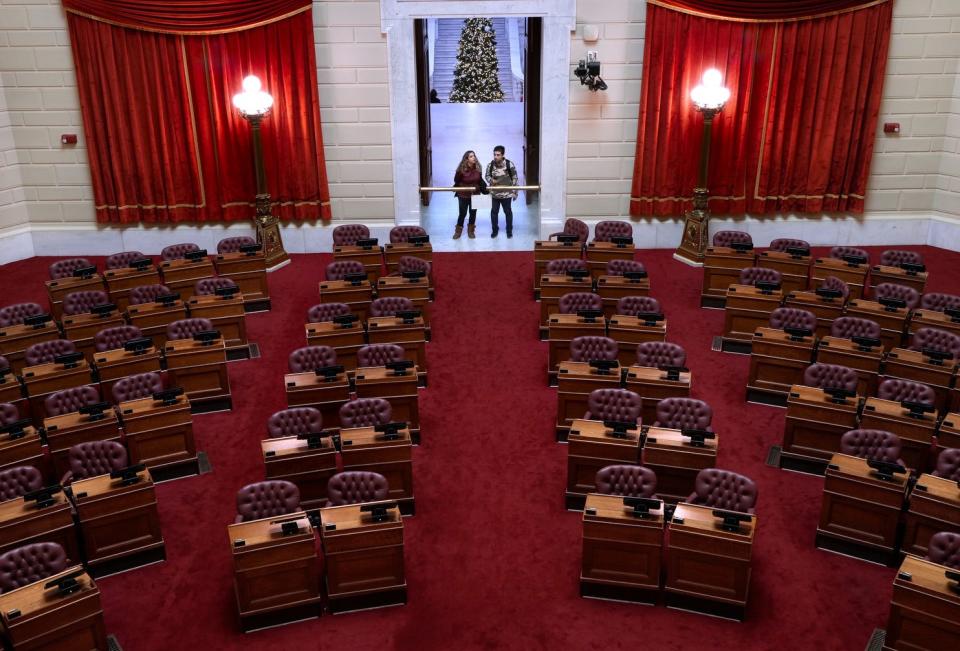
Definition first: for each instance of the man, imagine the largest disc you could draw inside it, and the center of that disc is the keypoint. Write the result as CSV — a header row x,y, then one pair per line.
x,y
501,171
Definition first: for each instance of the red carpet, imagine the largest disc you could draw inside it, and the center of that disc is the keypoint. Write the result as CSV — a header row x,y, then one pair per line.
x,y
492,558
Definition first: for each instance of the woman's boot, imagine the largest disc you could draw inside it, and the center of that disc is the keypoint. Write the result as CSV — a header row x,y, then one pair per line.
x,y
471,231
458,232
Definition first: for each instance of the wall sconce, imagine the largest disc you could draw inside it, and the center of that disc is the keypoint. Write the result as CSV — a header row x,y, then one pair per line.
x,y
590,33
588,71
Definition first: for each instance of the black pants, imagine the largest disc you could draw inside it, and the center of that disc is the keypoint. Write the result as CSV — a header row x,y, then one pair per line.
x,y
495,213
464,206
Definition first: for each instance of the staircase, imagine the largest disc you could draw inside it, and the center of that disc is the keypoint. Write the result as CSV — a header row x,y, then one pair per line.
x,y
445,57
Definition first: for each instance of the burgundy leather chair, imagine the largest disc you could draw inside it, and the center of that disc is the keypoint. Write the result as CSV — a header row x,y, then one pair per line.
x,y
355,487
940,302
684,413
94,458
18,481
793,317
147,293
834,283
872,444
944,549
45,351
899,390
67,401
31,563
410,264
186,328
378,354
754,275
628,481
209,286
908,295
659,354
267,499
309,358
83,301
620,267
633,305
327,312
8,413
390,305
606,230
936,339
574,302
65,268
365,412
340,269
116,337
573,227
584,349
561,266
348,234
723,489
233,244
784,243
830,376
134,387
122,259
895,258
848,327
15,314
400,234
177,251
294,421
614,404
849,252
726,238
948,464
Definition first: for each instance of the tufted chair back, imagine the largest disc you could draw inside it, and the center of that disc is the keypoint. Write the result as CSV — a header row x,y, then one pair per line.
x,y
147,293
30,563
356,486
83,301
379,354
293,421
390,305
613,404
309,358
726,238
95,458
122,259
563,265
233,244
607,230
339,269
8,413
754,275
830,376
937,339
365,412
409,263
895,258
326,312
784,243
18,481
67,401
15,314
348,234
908,295
948,464
65,268
660,353
134,387
849,251
209,286
684,413
45,351
723,489
186,328
633,305
267,499
403,233
629,481
110,338
899,390
834,283
620,267
940,302
576,301
177,251
793,317
944,549
871,444
575,227
847,327
583,349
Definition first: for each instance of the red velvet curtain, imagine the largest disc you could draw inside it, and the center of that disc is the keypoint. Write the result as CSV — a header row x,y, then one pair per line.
x,y
797,133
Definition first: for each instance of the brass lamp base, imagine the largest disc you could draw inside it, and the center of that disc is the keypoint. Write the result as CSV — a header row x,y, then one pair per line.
x,y
695,230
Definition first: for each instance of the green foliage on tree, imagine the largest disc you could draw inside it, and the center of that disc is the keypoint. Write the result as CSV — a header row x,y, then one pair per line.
x,y
475,75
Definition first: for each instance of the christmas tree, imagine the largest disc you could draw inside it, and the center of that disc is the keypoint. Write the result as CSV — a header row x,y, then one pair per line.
x,y
475,75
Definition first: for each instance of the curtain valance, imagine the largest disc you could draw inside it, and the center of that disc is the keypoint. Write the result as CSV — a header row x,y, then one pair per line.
x,y
765,10
188,17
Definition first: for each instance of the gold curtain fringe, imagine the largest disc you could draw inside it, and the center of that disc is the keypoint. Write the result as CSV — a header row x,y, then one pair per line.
x,y
692,12
183,32
769,197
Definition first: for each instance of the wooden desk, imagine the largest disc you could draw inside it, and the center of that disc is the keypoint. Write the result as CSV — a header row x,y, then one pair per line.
x,y
865,360
161,436
553,287
249,271
916,434
392,252
120,281
48,621
226,314
621,551
815,423
114,365
860,511
598,254
43,379
934,505
898,276
546,250
309,468
748,308
312,390
855,275
82,328
15,339
181,275
612,288
592,447
153,319
794,269
201,369
276,577
924,611
363,449
630,331
399,390
915,366
26,450
653,385
345,339
412,337
356,295
22,523
363,559
777,362
575,382
948,434
416,289
370,256
933,319
825,309
57,289
120,524
67,430
708,569
721,268
676,461
564,328
892,320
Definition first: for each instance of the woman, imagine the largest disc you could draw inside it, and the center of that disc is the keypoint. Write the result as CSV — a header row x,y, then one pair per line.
x,y
468,174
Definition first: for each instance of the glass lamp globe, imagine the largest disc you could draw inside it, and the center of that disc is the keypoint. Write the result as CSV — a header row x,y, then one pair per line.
x,y
710,93
253,100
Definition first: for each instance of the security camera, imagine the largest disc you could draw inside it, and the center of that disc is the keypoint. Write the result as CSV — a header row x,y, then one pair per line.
x,y
588,71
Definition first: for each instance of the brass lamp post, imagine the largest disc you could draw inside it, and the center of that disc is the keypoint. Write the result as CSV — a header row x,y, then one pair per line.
x,y
254,105
708,98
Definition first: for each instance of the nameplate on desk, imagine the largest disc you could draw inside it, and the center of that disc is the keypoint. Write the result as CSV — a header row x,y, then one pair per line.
x,y
905,576
833,466
239,542
270,453
330,526
590,511
920,487
678,520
